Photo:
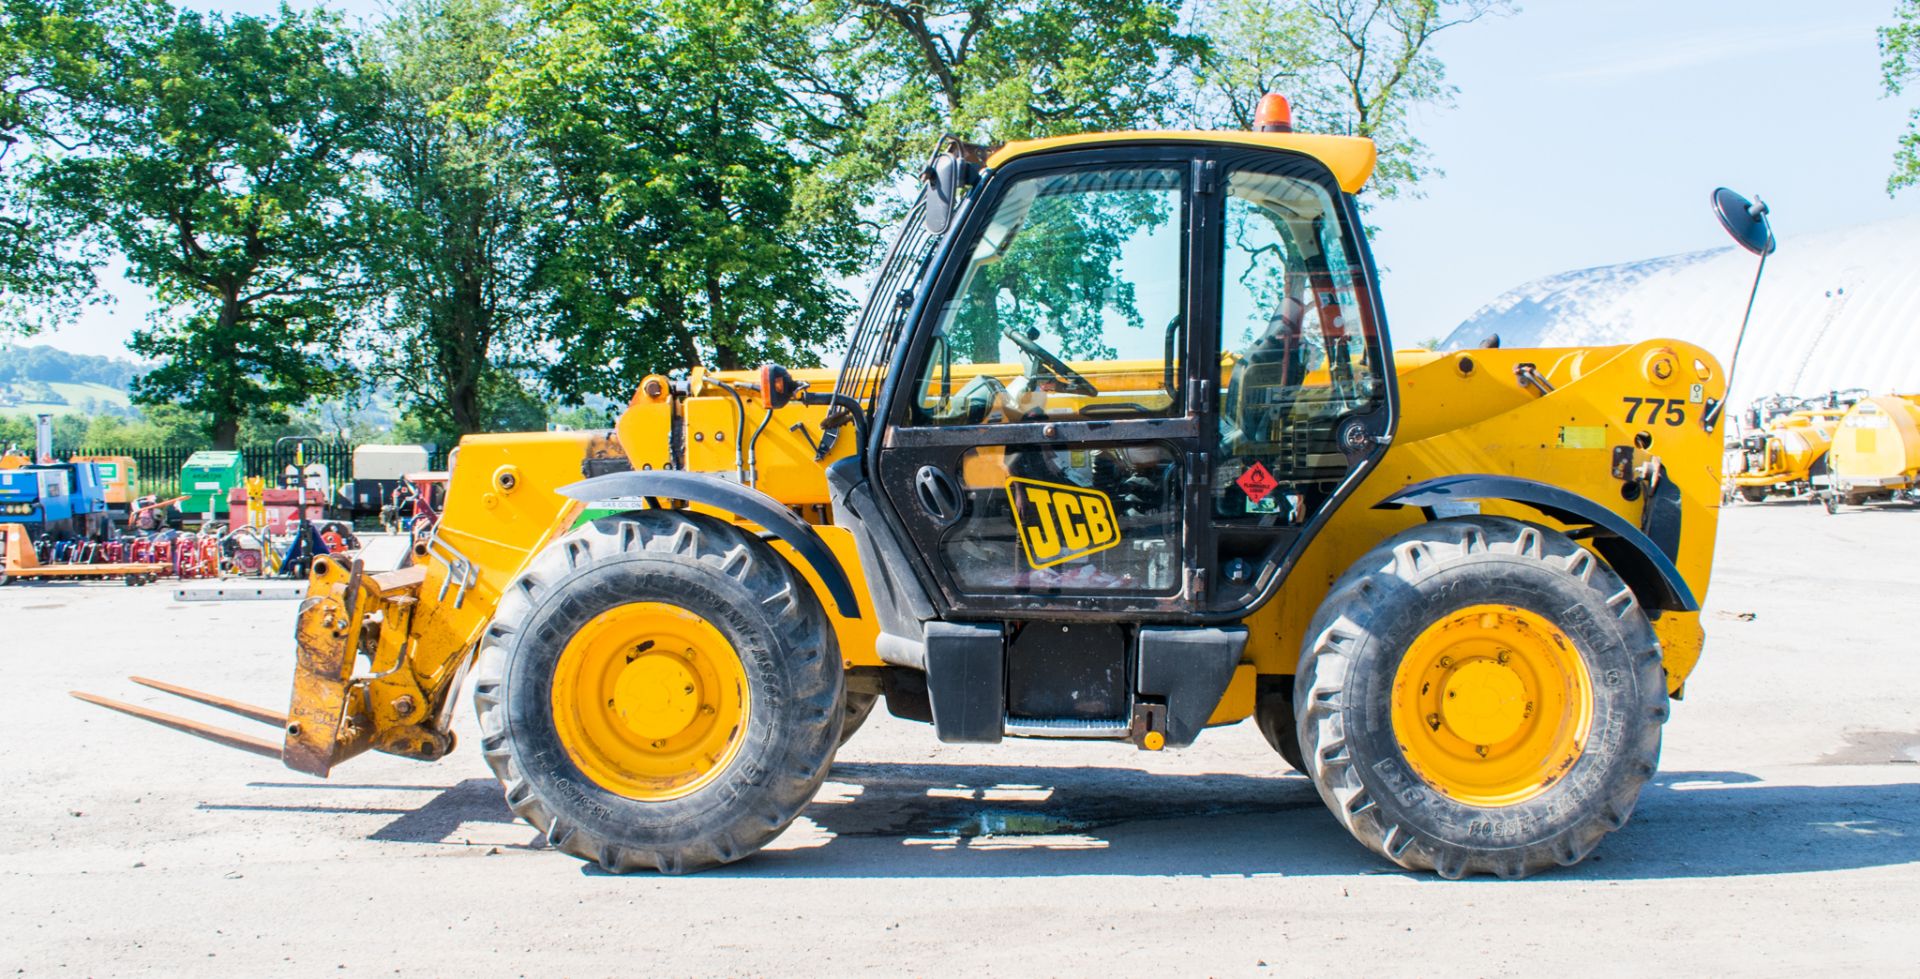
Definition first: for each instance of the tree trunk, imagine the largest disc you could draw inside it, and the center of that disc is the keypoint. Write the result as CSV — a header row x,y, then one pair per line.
x,y
463,403
226,432
226,417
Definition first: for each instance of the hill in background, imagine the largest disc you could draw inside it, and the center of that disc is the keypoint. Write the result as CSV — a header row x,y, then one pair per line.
x,y
36,379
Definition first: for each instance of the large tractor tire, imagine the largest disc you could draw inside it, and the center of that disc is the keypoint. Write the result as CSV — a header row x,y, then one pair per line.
x,y
659,690
1273,715
1481,695
859,708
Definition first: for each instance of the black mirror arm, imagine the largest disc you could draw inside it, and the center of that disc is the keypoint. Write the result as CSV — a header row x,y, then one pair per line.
x,y
1716,407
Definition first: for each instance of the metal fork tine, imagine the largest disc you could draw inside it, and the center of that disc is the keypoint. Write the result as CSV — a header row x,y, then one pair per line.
x,y
261,714
216,735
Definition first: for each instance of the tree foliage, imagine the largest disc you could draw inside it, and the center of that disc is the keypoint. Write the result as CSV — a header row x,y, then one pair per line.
x,y
1353,67
884,80
485,204
456,202
221,165
1900,61
54,56
678,234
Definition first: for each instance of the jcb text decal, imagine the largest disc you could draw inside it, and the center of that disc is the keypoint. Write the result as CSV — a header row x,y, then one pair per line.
x,y
1058,523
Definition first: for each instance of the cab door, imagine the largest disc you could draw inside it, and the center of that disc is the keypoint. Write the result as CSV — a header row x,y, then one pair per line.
x,y
1042,433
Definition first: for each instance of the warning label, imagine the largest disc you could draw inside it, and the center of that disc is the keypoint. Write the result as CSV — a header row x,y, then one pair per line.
x,y
1256,482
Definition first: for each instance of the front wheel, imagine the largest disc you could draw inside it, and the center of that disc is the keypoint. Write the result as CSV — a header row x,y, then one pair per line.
x,y
659,690
1481,695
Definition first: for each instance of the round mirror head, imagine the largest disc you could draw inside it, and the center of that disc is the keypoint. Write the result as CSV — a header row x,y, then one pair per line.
x,y
1744,220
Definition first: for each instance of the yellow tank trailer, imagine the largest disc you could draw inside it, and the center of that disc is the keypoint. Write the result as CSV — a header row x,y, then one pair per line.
x,y
1183,480
1786,455
1876,452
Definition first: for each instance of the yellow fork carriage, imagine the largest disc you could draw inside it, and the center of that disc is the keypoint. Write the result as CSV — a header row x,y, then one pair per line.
x,y
1120,451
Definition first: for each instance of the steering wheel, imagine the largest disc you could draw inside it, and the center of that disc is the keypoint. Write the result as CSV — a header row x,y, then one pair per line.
x,y
1041,360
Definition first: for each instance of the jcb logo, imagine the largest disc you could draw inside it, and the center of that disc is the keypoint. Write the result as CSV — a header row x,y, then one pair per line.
x,y
1059,523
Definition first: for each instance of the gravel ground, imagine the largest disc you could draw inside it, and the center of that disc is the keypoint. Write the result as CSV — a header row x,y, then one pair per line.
x,y
1782,835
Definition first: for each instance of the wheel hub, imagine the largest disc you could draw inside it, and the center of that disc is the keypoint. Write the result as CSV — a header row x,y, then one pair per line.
x,y
650,701
1492,704
657,696
1484,702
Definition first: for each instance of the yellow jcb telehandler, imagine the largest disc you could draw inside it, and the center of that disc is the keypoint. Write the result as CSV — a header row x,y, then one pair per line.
x,y
1119,452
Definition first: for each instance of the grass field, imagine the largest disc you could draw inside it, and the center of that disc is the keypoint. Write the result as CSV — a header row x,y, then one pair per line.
x,y
75,395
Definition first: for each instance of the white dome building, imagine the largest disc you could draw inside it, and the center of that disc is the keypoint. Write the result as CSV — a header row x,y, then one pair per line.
x,y
1836,310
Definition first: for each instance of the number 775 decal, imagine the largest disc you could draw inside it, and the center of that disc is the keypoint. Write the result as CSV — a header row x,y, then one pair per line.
x,y
1656,411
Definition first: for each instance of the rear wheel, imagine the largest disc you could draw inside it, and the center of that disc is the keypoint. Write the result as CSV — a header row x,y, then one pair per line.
x,y
859,708
1481,695
659,690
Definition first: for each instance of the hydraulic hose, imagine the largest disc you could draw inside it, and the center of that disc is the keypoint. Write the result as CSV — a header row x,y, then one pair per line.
x,y
753,467
739,428
852,412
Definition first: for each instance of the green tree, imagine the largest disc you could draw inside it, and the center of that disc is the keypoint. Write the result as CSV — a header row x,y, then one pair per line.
x,y
221,165
678,234
1352,67
54,56
457,203
884,80
1900,60
506,404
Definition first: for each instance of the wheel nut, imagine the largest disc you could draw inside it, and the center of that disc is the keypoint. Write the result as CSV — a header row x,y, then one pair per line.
x,y
1503,657
1481,749
1446,662
662,744
706,709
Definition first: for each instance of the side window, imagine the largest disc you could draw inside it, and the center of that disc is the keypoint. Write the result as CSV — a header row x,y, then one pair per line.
x,y
1299,350
1070,305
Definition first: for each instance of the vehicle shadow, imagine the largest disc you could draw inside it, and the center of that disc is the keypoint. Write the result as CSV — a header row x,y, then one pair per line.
x,y
935,820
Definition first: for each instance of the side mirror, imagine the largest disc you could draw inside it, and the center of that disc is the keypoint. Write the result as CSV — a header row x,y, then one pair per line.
x,y
1745,220
942,177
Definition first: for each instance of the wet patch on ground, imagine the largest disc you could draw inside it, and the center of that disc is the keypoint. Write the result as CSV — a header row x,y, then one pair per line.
x,y
1876,748
975,801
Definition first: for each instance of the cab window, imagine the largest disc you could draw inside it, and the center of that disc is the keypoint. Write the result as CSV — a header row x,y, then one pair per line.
x,y
1300,353
1069,307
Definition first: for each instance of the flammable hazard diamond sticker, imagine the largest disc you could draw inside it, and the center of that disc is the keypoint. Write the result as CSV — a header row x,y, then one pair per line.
x,y
1256,482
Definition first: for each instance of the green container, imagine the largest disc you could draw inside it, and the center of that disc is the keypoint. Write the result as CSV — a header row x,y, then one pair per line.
x,y
207,478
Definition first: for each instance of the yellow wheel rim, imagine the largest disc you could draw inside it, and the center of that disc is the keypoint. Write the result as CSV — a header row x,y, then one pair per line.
x,y
650,701
1491,705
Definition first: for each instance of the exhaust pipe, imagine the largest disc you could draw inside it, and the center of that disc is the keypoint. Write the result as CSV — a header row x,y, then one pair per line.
x,y
43,440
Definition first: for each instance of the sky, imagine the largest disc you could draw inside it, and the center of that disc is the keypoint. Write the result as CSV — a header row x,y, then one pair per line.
x,y
1583,134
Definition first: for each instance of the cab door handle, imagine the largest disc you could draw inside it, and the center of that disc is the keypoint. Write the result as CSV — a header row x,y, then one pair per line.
x,y
938,495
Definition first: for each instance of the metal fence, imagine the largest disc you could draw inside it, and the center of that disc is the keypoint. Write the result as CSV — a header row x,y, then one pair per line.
x,y
159,469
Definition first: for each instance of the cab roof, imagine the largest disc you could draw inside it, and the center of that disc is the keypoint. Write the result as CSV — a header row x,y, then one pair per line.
x,y
1350,158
